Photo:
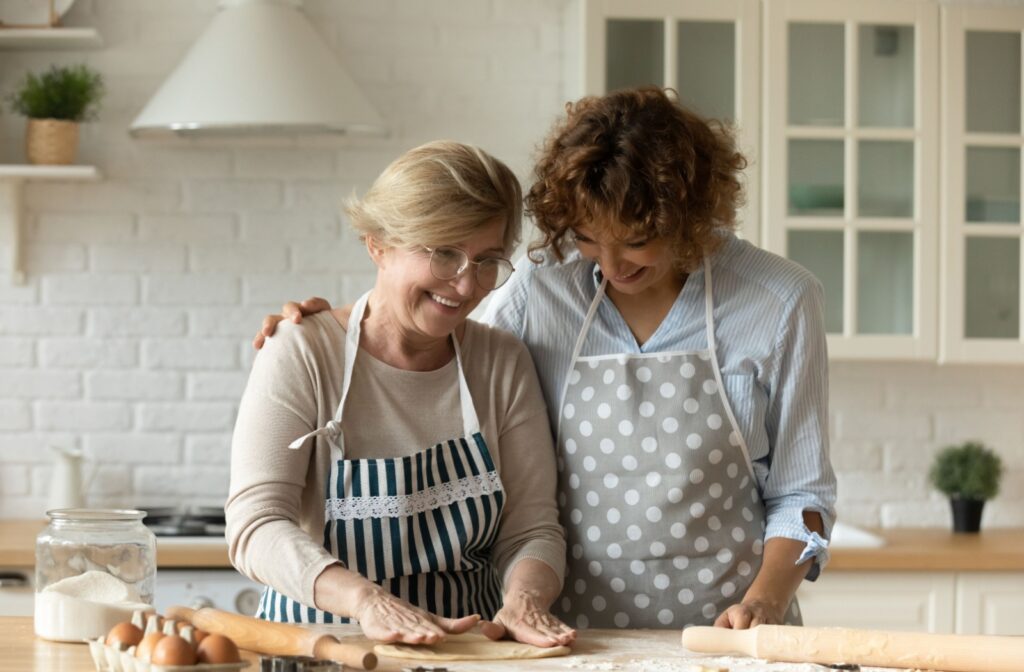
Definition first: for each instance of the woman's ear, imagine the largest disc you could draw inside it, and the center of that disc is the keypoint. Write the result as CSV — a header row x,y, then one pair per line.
x,y
376,250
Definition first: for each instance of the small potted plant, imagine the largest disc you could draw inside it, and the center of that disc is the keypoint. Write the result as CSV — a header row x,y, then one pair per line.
x,y
968,474
55,102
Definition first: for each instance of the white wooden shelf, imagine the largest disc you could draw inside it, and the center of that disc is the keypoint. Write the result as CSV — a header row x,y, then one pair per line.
x,y
49,39
12,177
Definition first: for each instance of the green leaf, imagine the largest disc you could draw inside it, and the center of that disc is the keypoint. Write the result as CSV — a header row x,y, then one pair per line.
x,y
968,471
67,93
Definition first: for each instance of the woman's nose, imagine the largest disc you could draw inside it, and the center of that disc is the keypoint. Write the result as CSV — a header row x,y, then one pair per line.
x,y
608,260
465,282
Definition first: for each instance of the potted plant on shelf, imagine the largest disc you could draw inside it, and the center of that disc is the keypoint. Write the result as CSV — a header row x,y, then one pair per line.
x,y
55,102
969,475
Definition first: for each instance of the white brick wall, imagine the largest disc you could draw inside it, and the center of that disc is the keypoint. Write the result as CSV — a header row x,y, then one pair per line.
x,y
131,339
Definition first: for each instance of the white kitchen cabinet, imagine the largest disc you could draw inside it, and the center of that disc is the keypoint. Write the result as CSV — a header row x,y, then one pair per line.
x,y
708,51
982,275
990,603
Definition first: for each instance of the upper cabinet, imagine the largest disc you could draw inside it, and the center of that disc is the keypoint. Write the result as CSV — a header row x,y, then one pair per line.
x,y
706,50
981,185
850,164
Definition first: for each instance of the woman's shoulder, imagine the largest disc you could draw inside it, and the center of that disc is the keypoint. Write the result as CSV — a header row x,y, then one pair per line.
x,y
317,334
753,266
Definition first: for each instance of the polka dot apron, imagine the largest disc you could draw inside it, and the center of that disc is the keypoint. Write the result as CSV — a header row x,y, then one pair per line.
x,y
664,519
421,526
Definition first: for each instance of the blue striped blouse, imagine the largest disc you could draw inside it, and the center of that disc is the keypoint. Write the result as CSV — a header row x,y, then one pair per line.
x,y
769,324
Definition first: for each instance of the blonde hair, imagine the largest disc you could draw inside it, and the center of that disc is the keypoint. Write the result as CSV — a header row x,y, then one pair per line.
x,y
440,193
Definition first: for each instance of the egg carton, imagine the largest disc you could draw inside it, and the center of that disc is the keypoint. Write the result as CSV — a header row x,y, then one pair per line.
x,y
116,658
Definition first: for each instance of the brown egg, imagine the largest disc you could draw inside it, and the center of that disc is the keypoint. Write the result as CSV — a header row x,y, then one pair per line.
x,y
145,649
125,633
198,636
173,650
217,649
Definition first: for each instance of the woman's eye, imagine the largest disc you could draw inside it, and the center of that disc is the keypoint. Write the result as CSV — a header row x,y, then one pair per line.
x,y
582,240
637,244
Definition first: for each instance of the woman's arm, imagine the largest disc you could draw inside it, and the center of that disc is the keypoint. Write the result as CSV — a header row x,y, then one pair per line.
x,y
530,589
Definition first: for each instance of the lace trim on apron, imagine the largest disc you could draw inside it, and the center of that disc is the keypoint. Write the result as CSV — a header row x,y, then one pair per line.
x,y
398,506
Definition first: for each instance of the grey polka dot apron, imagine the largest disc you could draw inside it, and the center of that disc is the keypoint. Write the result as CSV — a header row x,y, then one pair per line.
x,y
421,526
657,492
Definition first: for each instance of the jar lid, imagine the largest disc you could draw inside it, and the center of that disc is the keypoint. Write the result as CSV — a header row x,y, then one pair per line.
x,y
96,514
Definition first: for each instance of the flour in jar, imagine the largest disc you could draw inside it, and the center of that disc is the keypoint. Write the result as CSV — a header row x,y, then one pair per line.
x,y
84,606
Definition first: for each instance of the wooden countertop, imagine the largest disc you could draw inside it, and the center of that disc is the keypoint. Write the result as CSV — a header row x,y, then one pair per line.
x,y
906,549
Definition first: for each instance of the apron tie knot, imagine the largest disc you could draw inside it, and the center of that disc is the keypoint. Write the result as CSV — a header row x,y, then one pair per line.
x,y
331,430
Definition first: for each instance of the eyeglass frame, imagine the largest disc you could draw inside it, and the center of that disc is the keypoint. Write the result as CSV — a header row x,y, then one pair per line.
x,y
464,267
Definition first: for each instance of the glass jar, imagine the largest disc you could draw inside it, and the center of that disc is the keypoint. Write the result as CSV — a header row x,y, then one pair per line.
x,y
94,567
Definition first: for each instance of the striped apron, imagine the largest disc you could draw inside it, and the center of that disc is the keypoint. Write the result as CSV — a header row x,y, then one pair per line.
x,y
421,526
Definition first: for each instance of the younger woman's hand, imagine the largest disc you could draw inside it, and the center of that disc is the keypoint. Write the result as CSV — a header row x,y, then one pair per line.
x,y
524,619
290,311
748,614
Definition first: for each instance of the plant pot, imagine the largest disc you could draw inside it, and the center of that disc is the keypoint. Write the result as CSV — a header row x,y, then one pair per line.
x,y
966,514
52,142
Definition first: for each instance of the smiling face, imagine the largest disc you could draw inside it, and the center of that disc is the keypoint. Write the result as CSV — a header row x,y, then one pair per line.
x,y
419,304
633,264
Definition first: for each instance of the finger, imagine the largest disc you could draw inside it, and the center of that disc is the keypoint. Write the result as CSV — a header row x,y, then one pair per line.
x,y
258,341
492,630
292,311
314,304
458,625
270,325
723,620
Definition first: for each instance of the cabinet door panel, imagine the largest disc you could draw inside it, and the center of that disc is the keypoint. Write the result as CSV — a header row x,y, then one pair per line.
x,y
635,49
706,67
993,81
992,292
821,252
989,603
885,282
885,179
993,185
919,602
886,76
816,177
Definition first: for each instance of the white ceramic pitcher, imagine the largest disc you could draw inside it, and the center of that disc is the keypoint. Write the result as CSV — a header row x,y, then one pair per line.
x,y
67,489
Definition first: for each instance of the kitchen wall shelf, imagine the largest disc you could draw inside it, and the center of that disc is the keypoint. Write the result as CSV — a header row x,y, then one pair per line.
x,y
12,178
49,39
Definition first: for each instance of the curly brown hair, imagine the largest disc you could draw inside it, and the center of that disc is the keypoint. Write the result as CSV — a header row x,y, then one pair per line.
x,y
638,158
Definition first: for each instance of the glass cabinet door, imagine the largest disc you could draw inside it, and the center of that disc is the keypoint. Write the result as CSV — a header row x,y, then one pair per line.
x,y
982,302
707,51
851,159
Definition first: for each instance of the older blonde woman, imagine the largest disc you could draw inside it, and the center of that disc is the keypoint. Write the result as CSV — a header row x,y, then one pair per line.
x,y
392,462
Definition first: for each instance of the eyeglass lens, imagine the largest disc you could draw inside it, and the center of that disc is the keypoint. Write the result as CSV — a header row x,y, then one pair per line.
x,y
447,263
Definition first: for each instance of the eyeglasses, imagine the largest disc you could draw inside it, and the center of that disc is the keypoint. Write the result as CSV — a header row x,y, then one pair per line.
x,y
448,263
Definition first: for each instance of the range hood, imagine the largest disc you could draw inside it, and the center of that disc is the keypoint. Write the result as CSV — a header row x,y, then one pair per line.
x,y
259,69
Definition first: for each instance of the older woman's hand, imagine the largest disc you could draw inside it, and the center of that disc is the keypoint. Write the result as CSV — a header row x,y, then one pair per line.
x,y
386,618
525,619
290,311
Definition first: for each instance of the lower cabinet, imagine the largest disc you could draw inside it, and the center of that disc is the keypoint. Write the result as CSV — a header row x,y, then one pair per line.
x,y
971,603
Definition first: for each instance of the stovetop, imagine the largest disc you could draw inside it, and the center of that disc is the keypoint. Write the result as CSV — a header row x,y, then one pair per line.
x,y
185,521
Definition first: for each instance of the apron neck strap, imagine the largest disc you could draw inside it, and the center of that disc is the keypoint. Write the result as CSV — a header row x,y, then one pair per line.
x,y
709,305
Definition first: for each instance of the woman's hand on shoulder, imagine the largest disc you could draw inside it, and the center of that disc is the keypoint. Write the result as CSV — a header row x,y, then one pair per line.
x,y
524,619
291,311
749,614
387,618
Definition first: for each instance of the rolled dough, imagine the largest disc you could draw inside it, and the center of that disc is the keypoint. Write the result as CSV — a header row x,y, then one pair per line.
x,y
469,647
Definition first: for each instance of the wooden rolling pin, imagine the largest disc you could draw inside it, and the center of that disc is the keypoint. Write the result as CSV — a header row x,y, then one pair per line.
x,y
877,648
279,639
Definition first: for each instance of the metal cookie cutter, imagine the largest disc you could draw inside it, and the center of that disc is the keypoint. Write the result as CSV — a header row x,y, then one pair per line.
x,y
421,668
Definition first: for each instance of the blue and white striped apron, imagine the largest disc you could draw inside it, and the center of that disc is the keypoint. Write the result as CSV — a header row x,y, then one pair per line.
x,y
421,526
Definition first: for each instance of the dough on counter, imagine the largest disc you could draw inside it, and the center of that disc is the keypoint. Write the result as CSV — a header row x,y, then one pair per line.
x,y
469,647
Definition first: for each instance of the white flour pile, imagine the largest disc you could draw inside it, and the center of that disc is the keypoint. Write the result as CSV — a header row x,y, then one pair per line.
x,y
84,606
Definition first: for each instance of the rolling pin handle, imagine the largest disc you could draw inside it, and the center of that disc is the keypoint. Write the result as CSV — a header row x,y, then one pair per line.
x,y
353,655
706,639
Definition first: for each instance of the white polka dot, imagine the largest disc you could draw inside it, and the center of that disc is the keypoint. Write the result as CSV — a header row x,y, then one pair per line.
x,y
582,621
673,461
629,463
631,497
691,405
667,390
587,394
678,530
664,358
593,363
701,544
649,444
580,586
576,516
657,549
624,392
705,576
569,411
738,534
653,514
670,425
574,481
609,377
621,359
634,532
753,493
714,421
665,616
574,377
570,446
743,568
748,515
710,387
728,588
622,620
595,568
714,524
715,456
687,370
577,551
642,601
599,603
696,509
724,556
637,567
610,480
715,490
709,610
617,584
614,551
685,596
586,429
694,441
653,479
607,446
589,463
646,409
675,495
696,476
734,439
604,411
626,428
727,504
614,516
757,546
593,533
732,470
680,562
643,374
566,604
593,499
661,581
